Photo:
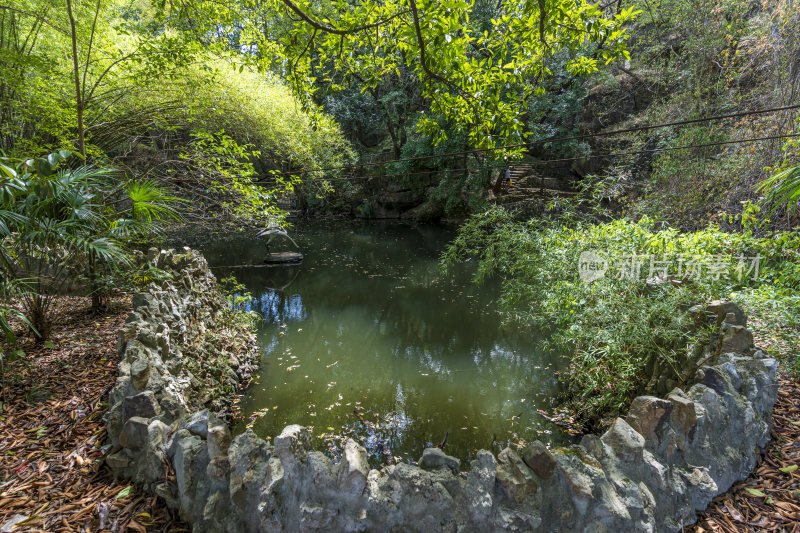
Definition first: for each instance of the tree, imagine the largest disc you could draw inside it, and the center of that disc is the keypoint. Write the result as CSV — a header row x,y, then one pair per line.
x,y
147,55
478,74
111,53
114,84
32,112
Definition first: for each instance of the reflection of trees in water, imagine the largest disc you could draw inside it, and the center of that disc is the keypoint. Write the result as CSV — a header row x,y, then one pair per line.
x,y
278,307
380,294
260,279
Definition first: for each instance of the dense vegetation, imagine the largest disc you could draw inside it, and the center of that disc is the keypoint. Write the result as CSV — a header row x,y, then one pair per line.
x,y
118,118
625,328
114,122
711,203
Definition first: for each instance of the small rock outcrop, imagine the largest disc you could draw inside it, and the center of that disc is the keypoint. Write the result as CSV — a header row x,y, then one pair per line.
x,y
650,471
163,348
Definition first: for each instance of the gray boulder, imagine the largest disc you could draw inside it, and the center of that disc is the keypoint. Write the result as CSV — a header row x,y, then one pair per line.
x,y
433,458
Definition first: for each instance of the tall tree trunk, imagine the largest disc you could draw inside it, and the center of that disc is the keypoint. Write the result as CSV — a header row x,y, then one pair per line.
x,y
80,106
94,287
77,77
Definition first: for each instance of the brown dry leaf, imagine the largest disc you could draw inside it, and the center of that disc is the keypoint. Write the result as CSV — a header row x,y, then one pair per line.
x,y
741,511
786,506
736,515
77,375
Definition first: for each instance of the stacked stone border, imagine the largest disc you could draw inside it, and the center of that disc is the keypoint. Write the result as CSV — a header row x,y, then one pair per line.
x,y
650,471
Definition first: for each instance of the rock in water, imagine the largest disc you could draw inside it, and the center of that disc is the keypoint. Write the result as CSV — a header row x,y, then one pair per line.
x,y
284,258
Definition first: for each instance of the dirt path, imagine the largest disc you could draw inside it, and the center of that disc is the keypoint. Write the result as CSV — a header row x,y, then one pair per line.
x,y
51,430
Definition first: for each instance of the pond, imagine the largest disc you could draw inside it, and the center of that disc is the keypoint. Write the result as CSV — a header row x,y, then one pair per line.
x,y
368,339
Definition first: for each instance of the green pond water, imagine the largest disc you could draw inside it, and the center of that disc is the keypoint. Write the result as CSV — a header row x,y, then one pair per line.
x,y
368,323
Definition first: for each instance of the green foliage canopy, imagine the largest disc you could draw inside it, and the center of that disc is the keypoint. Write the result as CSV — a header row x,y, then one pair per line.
x,y
477,73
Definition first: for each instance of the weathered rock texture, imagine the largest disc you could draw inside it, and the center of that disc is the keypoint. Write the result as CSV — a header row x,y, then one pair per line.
x,y
167,369
649,472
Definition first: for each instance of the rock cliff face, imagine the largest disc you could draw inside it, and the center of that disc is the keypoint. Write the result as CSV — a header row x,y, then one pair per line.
x,y
649,472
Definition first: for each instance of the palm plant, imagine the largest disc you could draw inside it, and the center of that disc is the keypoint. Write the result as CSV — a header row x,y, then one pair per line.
x,y
782,188
133,209
58,226
8,314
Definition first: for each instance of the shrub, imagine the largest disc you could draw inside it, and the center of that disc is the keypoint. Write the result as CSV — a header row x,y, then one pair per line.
x,y
617,329
58,225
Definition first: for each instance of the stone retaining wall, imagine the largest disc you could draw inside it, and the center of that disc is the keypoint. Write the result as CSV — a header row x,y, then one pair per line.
x,y
649,472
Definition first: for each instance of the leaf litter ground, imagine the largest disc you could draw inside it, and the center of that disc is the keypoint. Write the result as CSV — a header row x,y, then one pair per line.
x,y
52,477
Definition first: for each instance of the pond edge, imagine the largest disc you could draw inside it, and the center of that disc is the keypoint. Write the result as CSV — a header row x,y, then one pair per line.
x,y
650,471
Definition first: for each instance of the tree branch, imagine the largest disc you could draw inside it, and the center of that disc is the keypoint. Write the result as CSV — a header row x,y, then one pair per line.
x,y
77,76
424,59
336,31
305,49
89,51
34,15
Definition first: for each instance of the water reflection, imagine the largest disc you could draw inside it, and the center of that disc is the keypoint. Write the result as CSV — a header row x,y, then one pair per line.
x,y
369,323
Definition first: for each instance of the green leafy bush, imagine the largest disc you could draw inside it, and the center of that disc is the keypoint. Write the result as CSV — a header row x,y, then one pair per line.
x,y
59,225
783,186
251,109
617,329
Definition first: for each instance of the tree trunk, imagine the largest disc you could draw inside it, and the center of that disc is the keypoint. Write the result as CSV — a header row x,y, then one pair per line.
x,y
77,77
39,319
97,297
497,188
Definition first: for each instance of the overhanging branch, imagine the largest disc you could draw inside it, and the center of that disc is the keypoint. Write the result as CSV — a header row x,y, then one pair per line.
x,y
336,31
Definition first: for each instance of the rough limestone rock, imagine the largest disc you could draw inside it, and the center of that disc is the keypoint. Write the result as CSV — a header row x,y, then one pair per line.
x,y
142,405
292,444
736,338
480,486
539,459
724,309
134,433
624,441
649,472
353,468
515,476
198,424
219,439
433,458
646,415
